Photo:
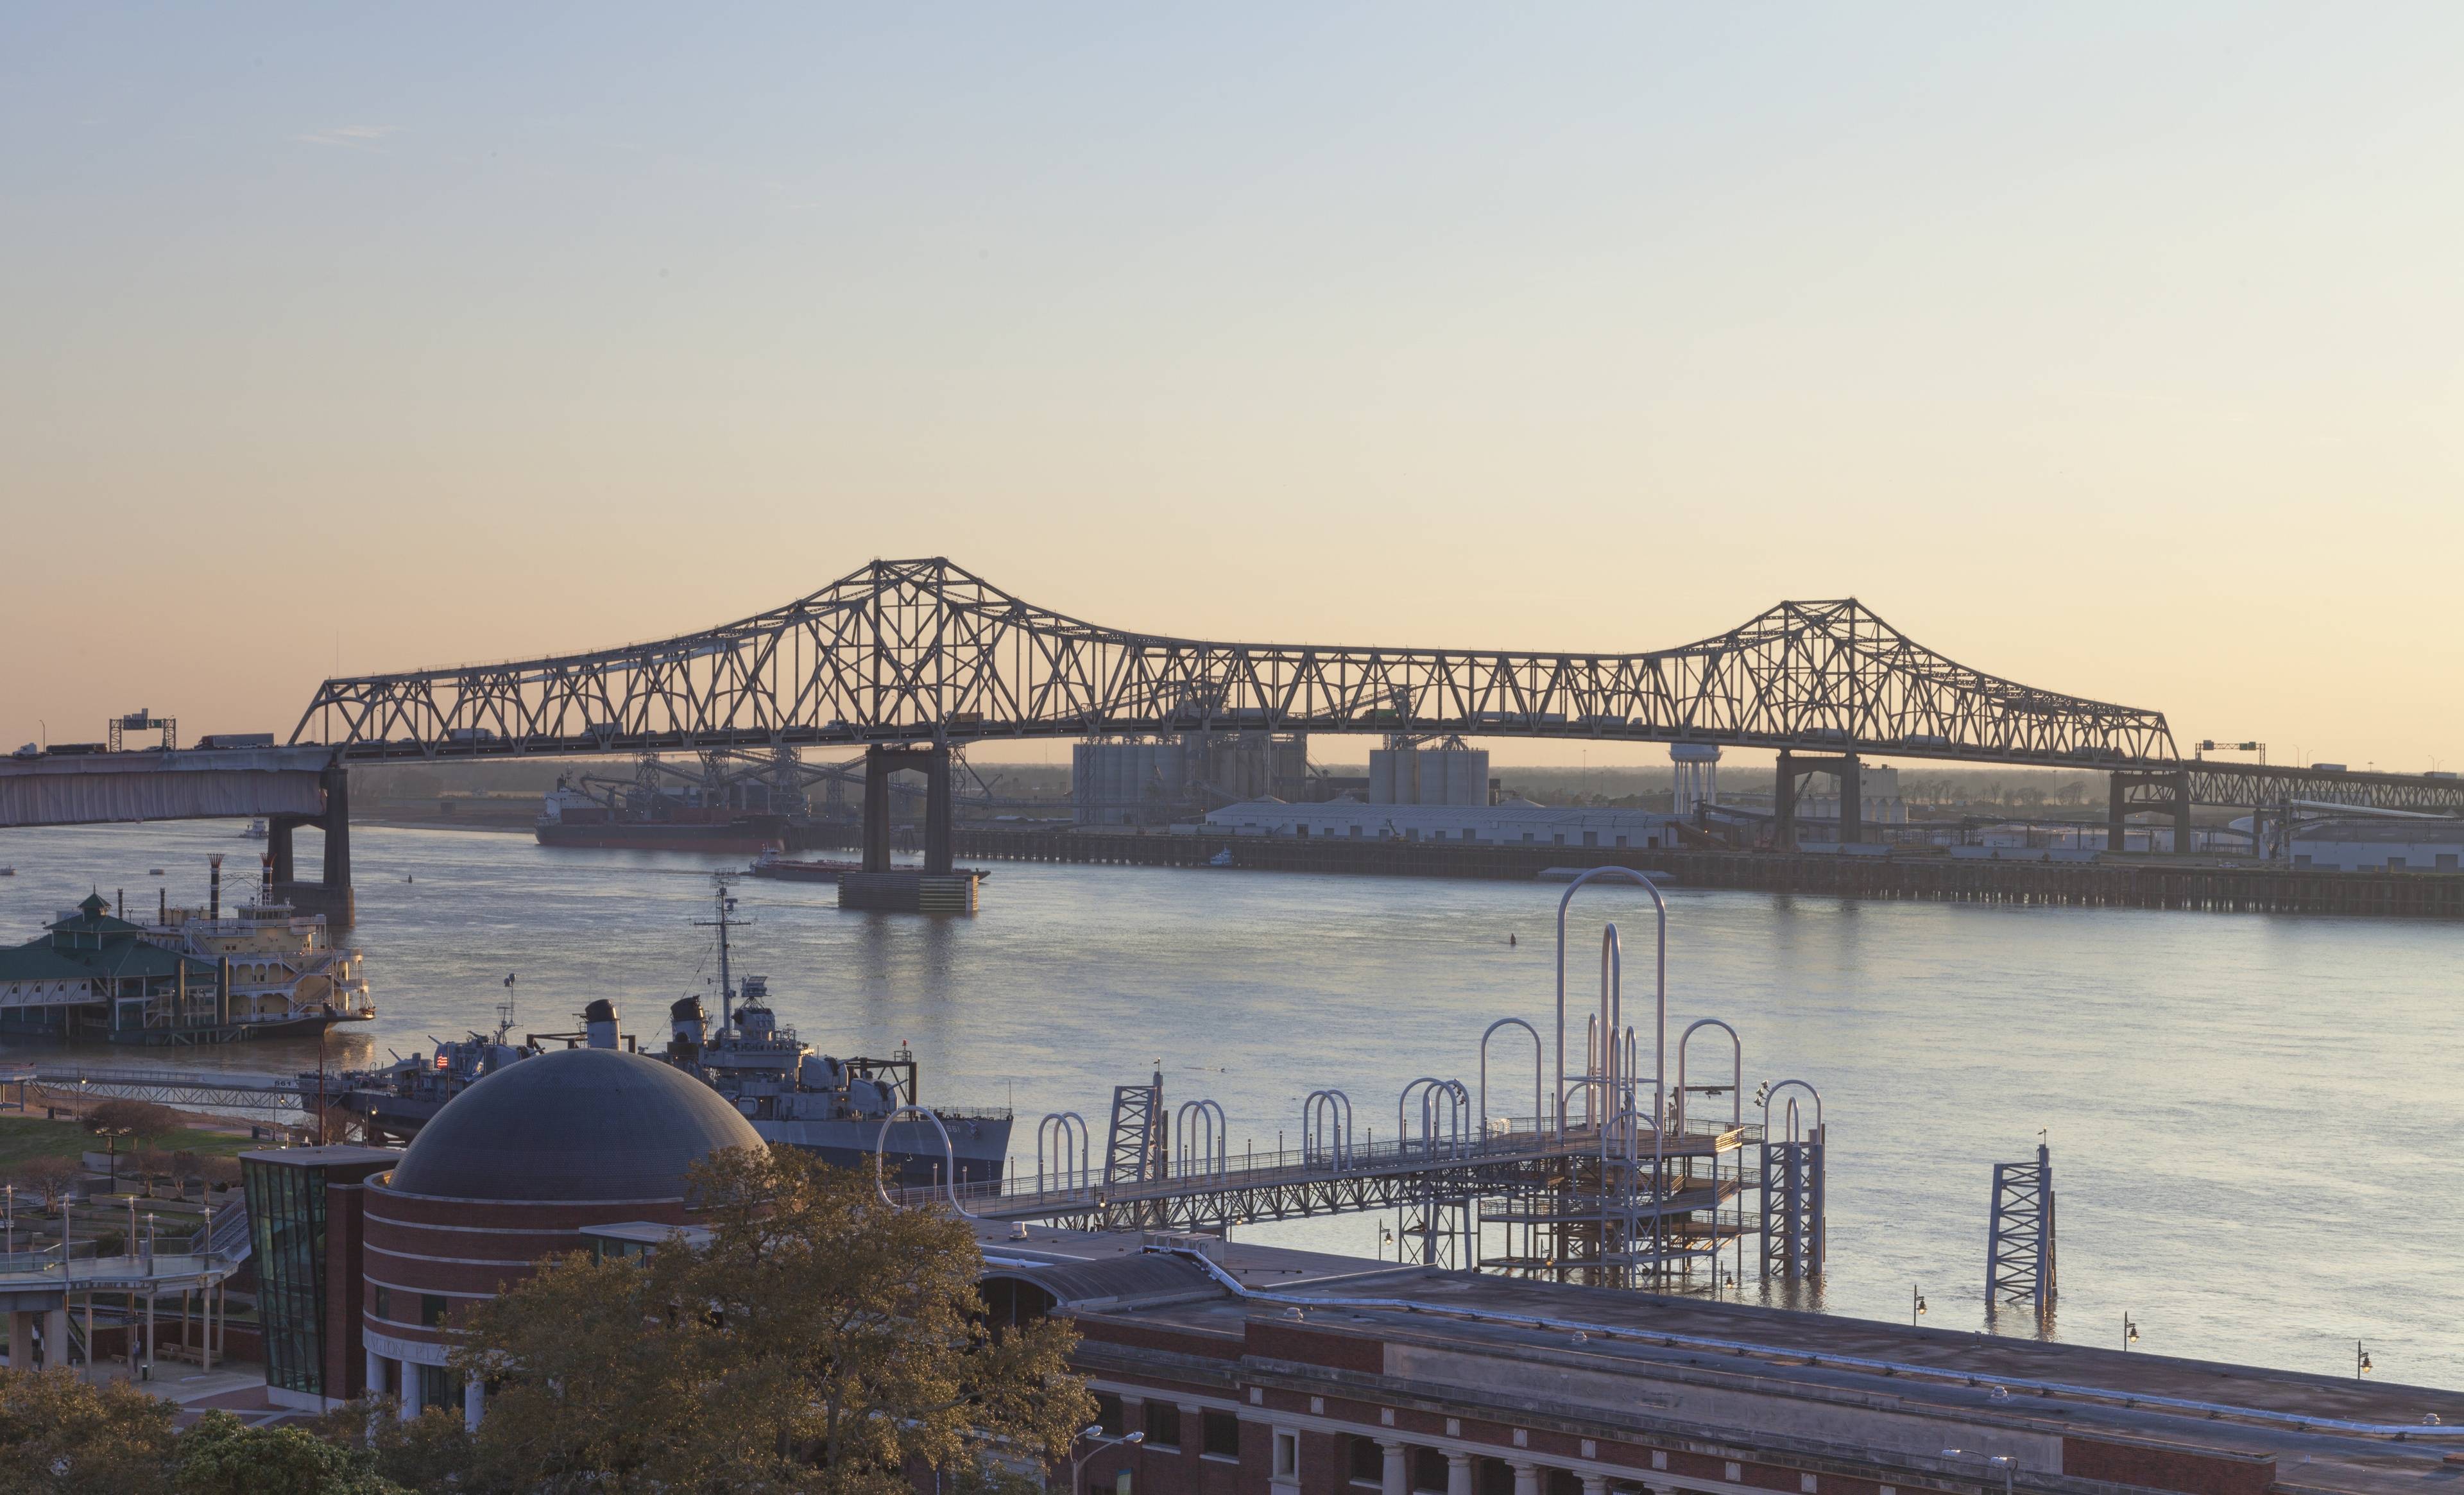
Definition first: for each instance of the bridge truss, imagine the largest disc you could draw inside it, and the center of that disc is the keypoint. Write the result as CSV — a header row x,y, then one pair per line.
x,y
923,651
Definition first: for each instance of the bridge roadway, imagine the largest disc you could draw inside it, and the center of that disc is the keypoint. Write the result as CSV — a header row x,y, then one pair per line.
x,y
1290,1184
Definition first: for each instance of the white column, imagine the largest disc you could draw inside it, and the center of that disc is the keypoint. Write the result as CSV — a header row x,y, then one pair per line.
x,y
407,1404
1458,1474
55,1338
1398,1467
375,1373
1527,1479
1596,1484
475,1401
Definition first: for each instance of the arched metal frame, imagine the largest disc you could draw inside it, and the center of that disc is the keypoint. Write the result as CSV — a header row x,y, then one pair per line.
x,y
1210,1155
949,1180
1454,1111
1061,1126
1539,1074
1325,1129
1737,1080
1659,984
1790,1114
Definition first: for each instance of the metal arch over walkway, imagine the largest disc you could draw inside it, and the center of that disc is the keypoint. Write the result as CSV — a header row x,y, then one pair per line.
x,y
923,651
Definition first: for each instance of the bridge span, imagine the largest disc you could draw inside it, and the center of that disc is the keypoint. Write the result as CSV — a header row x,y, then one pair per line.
x,y
908,659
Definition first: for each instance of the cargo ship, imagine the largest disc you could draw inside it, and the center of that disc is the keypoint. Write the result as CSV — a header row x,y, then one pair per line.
x,y
658,822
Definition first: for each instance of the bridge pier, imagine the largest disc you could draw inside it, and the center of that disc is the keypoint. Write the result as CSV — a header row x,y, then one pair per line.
x,y
933,761
1847,768
331,893
1784,804
877,769
2175,797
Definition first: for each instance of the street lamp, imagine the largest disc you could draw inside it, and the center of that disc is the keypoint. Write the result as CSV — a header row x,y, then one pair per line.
x,y
2361,1361
2002,1461
2129,1332
1916,1303
1078,1466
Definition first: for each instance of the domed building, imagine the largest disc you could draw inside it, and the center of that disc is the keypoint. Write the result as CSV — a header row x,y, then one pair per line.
x,y
515,1170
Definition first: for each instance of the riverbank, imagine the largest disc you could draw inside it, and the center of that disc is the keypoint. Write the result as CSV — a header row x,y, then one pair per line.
x,y
1937,877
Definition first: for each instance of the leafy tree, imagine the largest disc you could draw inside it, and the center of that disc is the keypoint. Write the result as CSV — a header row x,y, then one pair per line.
x,y
60,1435
224,1456
821,1341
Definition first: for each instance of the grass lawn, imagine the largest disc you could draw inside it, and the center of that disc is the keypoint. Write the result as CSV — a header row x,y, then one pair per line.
x,y
25,1139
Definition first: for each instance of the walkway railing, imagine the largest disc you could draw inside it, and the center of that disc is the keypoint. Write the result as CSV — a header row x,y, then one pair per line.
x,y
1022,1193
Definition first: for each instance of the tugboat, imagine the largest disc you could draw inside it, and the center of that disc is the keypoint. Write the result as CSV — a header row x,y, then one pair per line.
x,y
834,1106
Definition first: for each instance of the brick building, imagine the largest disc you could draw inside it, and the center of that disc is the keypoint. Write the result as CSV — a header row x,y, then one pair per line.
x,y
387,1249
1284,1372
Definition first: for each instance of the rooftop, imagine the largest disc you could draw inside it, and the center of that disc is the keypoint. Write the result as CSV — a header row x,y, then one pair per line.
x,y
1512,1345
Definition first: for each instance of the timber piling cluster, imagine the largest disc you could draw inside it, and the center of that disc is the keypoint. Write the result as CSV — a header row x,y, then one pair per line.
x,y
2112,883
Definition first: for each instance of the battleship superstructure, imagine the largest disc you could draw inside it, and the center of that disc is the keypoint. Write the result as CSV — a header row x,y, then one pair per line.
x,y
841,1108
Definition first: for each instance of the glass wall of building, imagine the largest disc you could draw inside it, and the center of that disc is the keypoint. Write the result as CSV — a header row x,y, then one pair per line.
x,y
286,1216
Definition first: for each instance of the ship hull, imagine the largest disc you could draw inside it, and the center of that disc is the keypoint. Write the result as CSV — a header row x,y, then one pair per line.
x,y
732,836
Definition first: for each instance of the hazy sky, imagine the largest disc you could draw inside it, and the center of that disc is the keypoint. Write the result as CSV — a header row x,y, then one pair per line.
x,y
2113,349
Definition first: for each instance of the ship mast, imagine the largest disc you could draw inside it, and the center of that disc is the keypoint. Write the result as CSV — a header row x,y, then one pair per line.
x,y
723,923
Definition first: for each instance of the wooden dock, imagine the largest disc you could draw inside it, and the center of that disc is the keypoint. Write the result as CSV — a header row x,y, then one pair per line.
x,y
2154,882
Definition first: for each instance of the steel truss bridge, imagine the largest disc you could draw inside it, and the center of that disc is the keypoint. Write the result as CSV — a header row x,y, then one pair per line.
x,y
925,652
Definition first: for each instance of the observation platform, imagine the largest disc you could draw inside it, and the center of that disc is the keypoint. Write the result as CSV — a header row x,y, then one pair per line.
x,y
1295,1183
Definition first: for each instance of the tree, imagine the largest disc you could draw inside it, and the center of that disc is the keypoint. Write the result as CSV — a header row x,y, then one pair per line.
x,y
224,1456
61,1436
821,1341
142,1120
47,1178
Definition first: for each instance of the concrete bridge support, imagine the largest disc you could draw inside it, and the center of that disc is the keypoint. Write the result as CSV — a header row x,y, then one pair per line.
x,y
331,893
933,761
2131,792
1848,769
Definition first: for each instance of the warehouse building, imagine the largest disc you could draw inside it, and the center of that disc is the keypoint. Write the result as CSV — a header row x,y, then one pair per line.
x,y
1512,822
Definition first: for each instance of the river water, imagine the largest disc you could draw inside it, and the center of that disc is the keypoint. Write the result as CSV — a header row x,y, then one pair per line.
x,y
2254,1119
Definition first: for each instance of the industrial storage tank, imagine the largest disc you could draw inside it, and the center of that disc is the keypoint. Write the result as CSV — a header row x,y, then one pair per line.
x,y
1112,781
1448,774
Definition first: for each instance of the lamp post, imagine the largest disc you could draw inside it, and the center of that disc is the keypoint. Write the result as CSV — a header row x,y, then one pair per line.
x,y
2129,1333
1916,1303
1078,1466
113,1135
2361,1361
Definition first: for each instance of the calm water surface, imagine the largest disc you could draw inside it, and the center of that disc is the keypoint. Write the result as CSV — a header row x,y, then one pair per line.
x,y
2254,1119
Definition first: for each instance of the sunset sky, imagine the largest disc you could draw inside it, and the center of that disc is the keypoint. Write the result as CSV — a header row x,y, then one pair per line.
x,y
2111,348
